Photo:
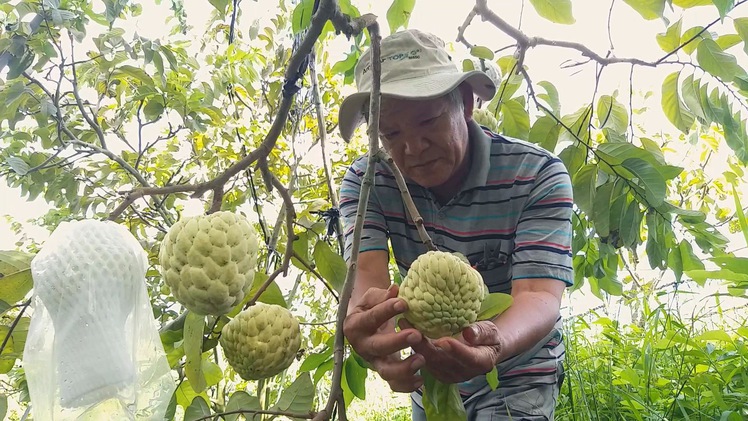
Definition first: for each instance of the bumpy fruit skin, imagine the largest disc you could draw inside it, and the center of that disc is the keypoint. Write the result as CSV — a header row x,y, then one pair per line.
x,y
209,261
444,294
261,341
485,118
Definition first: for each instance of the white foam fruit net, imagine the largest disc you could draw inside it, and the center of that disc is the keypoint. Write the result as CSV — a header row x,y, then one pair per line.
x,y
93,349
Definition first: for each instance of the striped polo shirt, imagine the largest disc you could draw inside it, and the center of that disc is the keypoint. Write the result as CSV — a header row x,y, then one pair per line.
x,y
511,219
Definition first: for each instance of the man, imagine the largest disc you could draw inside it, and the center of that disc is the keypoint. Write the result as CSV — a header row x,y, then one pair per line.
x,y
503,203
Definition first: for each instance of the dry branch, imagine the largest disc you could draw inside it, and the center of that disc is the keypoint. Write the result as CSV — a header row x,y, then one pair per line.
x,y
336,391
410,205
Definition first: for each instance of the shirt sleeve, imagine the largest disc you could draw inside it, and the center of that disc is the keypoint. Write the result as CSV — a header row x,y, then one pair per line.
x,y
542,247
374,234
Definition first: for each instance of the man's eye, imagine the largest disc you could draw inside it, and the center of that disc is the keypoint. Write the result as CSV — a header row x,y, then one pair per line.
x,y
429,120
389,135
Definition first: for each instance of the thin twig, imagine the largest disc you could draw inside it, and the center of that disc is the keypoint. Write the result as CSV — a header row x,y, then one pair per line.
x,y
331,188
410,205
219,415
373,130
12,327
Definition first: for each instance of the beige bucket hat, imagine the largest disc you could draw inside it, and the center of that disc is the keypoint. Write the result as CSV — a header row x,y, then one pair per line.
x,y
415,65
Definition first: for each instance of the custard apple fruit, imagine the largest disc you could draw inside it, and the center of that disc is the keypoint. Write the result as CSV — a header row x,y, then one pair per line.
x,y
261,341
209,261
444,294
485,118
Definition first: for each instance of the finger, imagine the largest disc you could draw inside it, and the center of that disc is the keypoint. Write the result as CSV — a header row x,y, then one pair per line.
x,y
370,319
372,297
482,333
402,375
383,344
481,357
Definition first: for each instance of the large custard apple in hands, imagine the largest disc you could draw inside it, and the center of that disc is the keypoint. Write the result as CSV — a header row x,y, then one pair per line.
x,y
443,292
209,261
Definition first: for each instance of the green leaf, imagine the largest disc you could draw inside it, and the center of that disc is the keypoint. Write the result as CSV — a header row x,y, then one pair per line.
x,y
492,378
741,26
515,122
651,179
544,133
197,409
601,209
612,114
717,62
271,295
558,11
690,44
15,276
583,185
330,265
689,91
3,406
728,41
648,9
193,350
220,5
297,398
686,4
398,15
672,106
355,377
133,72
724,6
689,259
742,220
315,360
153,109
18,165
441,402
481,52
302,16
244,401
670,40
550,96
573,157
714,335
734,264
494,304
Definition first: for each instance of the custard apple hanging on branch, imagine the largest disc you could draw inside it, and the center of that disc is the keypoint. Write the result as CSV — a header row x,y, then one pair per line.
x,y
209,261
261,341
444,294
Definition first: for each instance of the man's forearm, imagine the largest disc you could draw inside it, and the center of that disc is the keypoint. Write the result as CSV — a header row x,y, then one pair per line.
x,y
531,316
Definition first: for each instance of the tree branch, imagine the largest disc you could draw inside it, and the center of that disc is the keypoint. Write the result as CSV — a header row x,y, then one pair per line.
x,y
12,327
94,125
321,128
525,42
410,205
218,416
373,130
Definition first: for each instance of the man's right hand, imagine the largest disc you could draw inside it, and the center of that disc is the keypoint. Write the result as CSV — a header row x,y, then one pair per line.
x,y
370,329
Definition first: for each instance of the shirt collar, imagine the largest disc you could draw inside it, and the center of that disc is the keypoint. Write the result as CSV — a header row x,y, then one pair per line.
x,y
480,157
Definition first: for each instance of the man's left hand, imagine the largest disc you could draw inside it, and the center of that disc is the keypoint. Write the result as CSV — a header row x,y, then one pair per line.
x,y
454,360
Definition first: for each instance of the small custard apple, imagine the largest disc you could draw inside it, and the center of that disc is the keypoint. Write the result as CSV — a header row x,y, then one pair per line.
x,y
261,341
209,261
444,294
485,118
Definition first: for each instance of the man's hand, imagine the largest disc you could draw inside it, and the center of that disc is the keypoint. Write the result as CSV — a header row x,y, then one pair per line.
x,y
370,329
452,360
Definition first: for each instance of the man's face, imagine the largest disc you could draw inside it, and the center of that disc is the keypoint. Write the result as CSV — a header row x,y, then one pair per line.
x,y
428,140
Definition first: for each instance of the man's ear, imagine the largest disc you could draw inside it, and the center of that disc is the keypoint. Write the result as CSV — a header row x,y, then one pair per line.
x,y
467,100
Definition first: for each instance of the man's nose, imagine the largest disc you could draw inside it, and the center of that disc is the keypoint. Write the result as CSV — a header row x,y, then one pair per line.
x,y
416,145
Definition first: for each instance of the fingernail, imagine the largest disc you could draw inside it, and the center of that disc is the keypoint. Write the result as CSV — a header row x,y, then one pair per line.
x,y
414,338
446,347
418,362
400,306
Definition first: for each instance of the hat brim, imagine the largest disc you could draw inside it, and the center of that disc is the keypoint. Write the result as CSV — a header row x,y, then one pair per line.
x,y
421,88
